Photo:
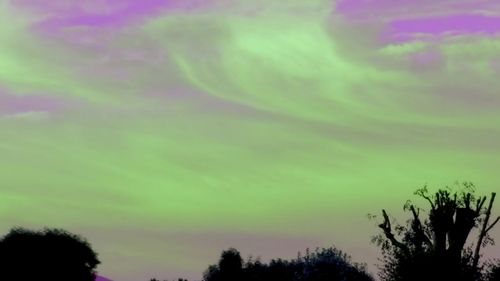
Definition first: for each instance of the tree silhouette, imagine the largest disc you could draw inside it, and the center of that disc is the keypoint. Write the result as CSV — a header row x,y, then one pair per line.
x,y
434,248
327,264
230,267
50,254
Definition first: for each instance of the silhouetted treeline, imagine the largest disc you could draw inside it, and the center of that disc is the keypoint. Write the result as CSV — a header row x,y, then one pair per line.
x,y
431,246
327,264
51,255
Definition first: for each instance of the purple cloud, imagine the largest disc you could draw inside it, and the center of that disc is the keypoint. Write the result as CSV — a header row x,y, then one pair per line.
x,y
12,104
407,29
355,7
99,13
397,8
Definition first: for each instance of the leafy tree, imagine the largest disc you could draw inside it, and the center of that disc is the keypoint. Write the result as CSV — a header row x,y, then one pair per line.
x,y
327,264
51,254
331,264
254,269
231,263
434,248
281,270
230,267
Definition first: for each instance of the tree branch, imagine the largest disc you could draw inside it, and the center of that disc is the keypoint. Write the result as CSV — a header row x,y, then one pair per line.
x,y
479,205
493,224
422,192
386,227
484,230
418,228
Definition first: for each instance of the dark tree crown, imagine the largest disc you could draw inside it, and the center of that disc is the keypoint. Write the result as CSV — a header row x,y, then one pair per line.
x,y
50,254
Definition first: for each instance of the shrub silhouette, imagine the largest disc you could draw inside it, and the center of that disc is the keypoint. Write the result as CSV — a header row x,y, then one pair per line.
x,y
434,248
327,264
51,254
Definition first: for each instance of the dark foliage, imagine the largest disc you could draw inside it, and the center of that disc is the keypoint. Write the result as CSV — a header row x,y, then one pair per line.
x,y
327,264
434,247
51,254
492,271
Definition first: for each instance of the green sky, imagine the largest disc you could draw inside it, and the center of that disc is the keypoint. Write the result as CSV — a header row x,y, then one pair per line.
x,y
169,136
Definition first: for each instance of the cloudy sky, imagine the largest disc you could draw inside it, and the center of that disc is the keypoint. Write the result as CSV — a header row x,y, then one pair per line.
x,y
165,131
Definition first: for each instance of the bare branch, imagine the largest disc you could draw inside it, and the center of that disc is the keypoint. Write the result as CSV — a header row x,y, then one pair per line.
x,y
467,199
493,224
484,230
386,227
418,227
480,203
422,193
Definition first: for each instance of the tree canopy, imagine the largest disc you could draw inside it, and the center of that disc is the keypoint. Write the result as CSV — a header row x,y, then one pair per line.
x,y
327,264
434,246
50,254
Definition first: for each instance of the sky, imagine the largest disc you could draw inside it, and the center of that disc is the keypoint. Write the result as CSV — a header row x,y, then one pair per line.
x,y
165,131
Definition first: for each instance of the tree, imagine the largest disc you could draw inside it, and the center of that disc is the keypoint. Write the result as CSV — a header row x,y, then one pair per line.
x,y
327,264
434,248
331,264
230,267
254,269
51,254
